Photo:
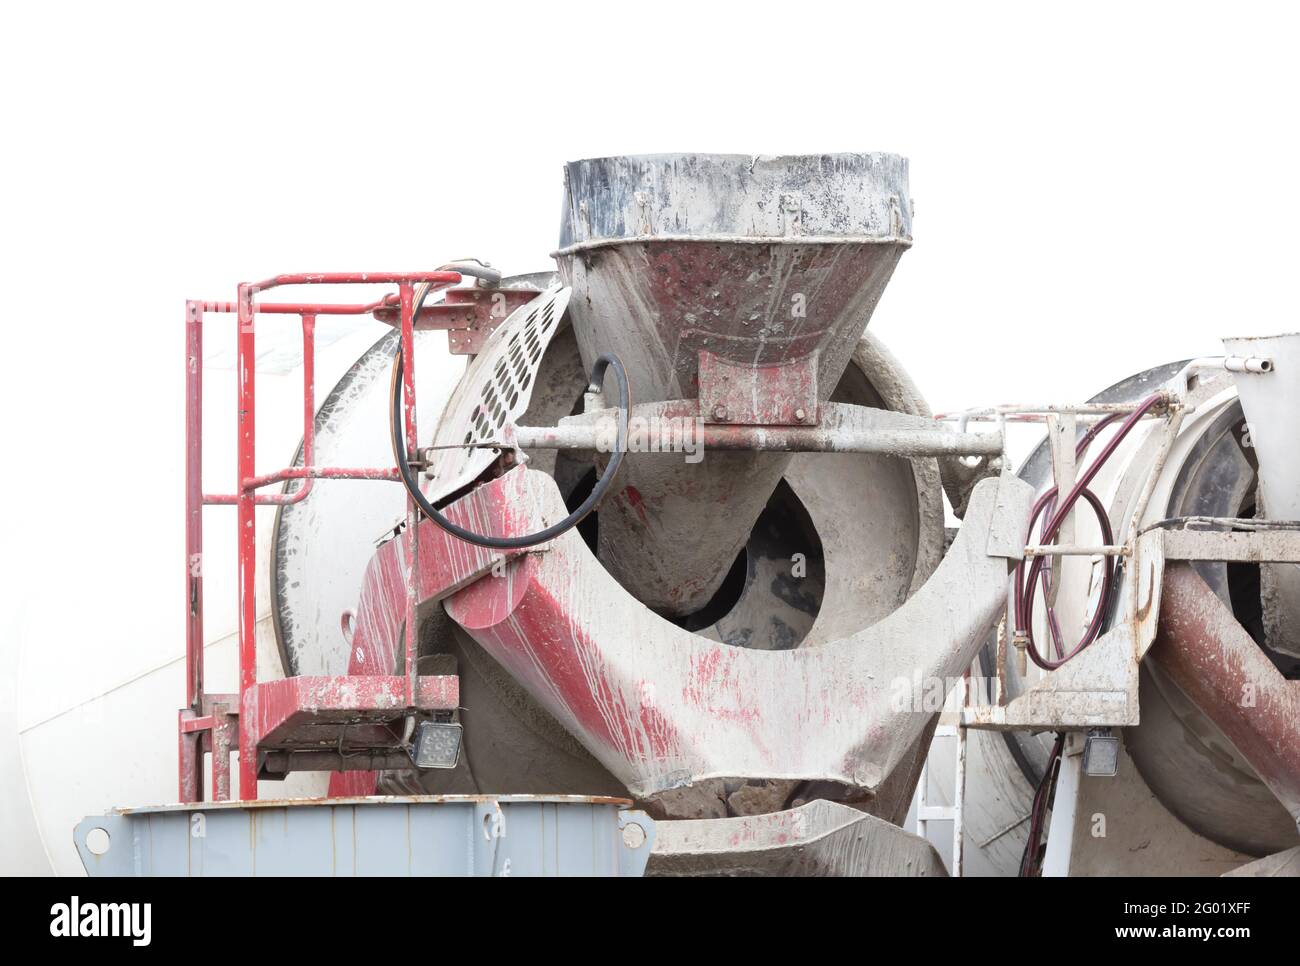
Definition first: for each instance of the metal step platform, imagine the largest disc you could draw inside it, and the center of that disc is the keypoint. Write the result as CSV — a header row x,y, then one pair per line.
x,y
338,723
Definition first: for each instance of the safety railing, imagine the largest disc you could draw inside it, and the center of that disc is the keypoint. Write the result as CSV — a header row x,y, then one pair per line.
x,y
209,722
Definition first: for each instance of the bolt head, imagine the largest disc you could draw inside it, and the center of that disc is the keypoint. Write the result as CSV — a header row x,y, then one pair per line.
x,y
633,835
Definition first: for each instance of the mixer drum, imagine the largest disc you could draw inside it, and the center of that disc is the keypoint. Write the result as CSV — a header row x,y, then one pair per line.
x,y
739,287
1185,760
1190,765
842,541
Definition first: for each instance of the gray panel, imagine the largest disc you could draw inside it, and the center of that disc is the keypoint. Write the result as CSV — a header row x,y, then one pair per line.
x,y
391,836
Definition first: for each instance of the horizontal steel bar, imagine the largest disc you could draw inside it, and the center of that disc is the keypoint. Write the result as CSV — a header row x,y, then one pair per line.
x,y
385,475
1252,364
323,473
282,763
352,278
1072,550
1025,410
1220,524
1262,546
789,439
303,308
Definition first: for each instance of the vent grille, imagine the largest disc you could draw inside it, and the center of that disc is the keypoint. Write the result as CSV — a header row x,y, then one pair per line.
x,y
494,391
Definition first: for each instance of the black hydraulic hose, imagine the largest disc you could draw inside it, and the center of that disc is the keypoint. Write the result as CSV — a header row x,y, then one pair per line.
x,y
1029,859
606,361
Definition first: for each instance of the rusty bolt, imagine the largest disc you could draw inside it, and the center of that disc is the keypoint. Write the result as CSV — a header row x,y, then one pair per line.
x,y
720,413
800,415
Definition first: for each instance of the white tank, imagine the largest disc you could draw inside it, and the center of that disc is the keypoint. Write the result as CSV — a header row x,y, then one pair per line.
x,y
95,725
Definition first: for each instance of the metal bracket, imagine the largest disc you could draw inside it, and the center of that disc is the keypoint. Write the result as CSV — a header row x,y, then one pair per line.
x,y
1099,686
468,315
784,395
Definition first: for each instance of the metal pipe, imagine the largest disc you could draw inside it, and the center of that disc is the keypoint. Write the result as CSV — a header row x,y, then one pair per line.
x,y
1249,364
193,505
323,473
444,315
1070,550
308,399
1252,364
989,413
407,298
383,474
246,355
788,439
308,410
351,278
301,308
190,777
1257,365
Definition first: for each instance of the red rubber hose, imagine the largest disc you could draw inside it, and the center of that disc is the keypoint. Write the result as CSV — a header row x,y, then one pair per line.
x,y
1028,581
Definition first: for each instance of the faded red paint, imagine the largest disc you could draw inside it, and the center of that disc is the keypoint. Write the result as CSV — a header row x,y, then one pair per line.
x,y
337,716
1212,659
634,500
198,727
541,643
744,394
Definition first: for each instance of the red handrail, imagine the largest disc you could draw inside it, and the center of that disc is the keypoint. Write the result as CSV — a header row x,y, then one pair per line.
x,y
198,718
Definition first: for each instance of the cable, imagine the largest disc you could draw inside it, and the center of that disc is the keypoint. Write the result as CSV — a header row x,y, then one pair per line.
x,y
1030,862
606,361
1236,523
1028,584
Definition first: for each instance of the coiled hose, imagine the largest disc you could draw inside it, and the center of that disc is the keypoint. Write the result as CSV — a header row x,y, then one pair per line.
x,y
608,361
1029,580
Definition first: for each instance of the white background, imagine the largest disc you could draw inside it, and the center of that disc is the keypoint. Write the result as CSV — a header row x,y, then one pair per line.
x,y
1099,188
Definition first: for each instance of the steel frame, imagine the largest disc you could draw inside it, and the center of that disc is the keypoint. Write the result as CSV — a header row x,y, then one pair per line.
x,y
211,722
1099,688
1068,697
220,723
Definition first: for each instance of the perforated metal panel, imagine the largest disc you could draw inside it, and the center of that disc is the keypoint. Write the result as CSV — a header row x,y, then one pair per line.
x,y
494,391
